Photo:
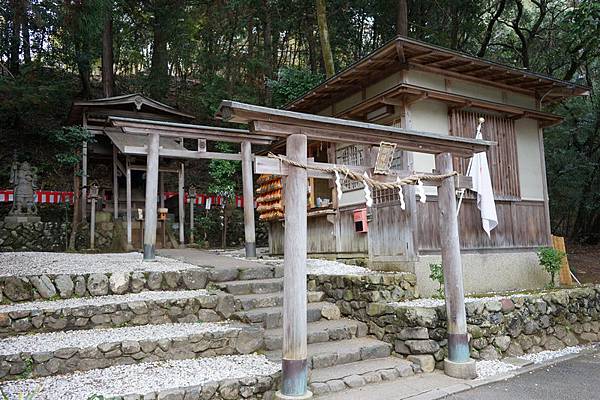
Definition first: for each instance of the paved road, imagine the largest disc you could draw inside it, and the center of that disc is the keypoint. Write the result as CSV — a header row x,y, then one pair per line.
x,y
575,379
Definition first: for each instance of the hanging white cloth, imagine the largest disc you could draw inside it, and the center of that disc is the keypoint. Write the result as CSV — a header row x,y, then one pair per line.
x,y
479,171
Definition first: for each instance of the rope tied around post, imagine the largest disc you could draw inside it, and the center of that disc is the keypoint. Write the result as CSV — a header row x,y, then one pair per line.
x,y
364,178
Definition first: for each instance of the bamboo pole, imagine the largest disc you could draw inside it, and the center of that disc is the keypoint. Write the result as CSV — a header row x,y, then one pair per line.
x,y
458,364
248,191
294,361
152,161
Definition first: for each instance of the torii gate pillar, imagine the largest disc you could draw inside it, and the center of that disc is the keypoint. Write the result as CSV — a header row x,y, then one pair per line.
x,y
458,364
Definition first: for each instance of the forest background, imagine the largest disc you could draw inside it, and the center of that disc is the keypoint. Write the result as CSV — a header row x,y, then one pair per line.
x,y
193,53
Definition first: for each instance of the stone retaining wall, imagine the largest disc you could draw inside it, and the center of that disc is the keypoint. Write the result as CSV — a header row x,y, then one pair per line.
x,y
204,308
39,236
498,328
65,286
207,344
353,293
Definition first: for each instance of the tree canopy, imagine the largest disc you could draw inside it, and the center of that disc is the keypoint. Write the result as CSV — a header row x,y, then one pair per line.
x,y
193,53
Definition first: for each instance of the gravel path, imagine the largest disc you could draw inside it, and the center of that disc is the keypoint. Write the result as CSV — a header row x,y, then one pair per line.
x,y
431,303
103,300
46,342
37,263
551,354
487,368
143,378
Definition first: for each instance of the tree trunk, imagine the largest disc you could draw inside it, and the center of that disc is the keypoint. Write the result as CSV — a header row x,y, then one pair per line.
x,y
159,69
83,66
76,208
402,18
268,48
490,28
324,36
25,31
15,37
107,55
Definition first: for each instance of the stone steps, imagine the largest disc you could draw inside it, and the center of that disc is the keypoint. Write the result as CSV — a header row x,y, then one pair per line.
x,y
45,354
328,354
256,286
272,317
115,311
246,302
358,374
220,377
320,331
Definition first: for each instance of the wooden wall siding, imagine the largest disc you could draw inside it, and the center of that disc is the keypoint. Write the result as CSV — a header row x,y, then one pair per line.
x,y
389,233
520,224
502,158
322,236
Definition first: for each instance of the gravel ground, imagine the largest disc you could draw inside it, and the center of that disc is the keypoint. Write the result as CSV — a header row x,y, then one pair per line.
x,y
143,378
546,355
430,303
46,342
102,300
37,263
487,368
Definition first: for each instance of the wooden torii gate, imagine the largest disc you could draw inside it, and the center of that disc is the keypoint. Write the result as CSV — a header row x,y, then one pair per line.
x,y
297,128
154,130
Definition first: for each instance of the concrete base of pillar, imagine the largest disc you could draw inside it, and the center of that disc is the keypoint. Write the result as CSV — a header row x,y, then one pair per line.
x,y
305,396
462,370
149,253
250,250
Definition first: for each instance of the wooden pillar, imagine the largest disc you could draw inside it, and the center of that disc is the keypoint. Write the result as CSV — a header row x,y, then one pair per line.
x,y
115,185
181,196
192,205
128,190
458,364
84,173
162,189
93,224
152,161
294,364
248,191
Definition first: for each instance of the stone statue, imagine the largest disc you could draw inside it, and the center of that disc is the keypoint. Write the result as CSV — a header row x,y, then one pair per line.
x,y
24,181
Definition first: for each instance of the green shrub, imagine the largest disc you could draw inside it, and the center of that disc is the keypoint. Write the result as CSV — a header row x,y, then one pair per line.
x,y
551,260
437,275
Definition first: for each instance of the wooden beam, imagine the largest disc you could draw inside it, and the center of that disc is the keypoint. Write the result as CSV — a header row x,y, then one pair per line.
x,y
84,172
248,191
187,154
231,138
128,206
294,360
150,217
458,364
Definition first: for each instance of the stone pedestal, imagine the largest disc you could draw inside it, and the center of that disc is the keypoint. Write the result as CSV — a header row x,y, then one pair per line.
x,y
22,219
462,370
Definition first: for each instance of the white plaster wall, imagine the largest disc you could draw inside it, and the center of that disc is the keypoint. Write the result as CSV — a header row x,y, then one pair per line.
x,y
529,160
425,79
488,272
428,116
383,85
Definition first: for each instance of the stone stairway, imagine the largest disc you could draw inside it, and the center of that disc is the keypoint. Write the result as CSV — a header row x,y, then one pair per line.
x,y
341,355
151,332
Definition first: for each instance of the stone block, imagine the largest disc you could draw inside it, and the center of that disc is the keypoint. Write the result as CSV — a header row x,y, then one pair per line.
x,y
422,346
425,362
413,333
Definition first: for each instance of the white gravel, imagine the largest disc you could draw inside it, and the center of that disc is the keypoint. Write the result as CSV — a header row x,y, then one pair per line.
x,y
144,378
327,267
547,355
46,342
37,263
103,300
487,368
431,303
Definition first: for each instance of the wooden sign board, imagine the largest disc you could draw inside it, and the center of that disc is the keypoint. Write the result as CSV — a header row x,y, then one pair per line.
x,y
385,156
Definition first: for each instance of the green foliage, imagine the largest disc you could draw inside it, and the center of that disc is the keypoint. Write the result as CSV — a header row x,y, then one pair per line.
x,y
222,173
550,259
291,83
68,140
437,275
